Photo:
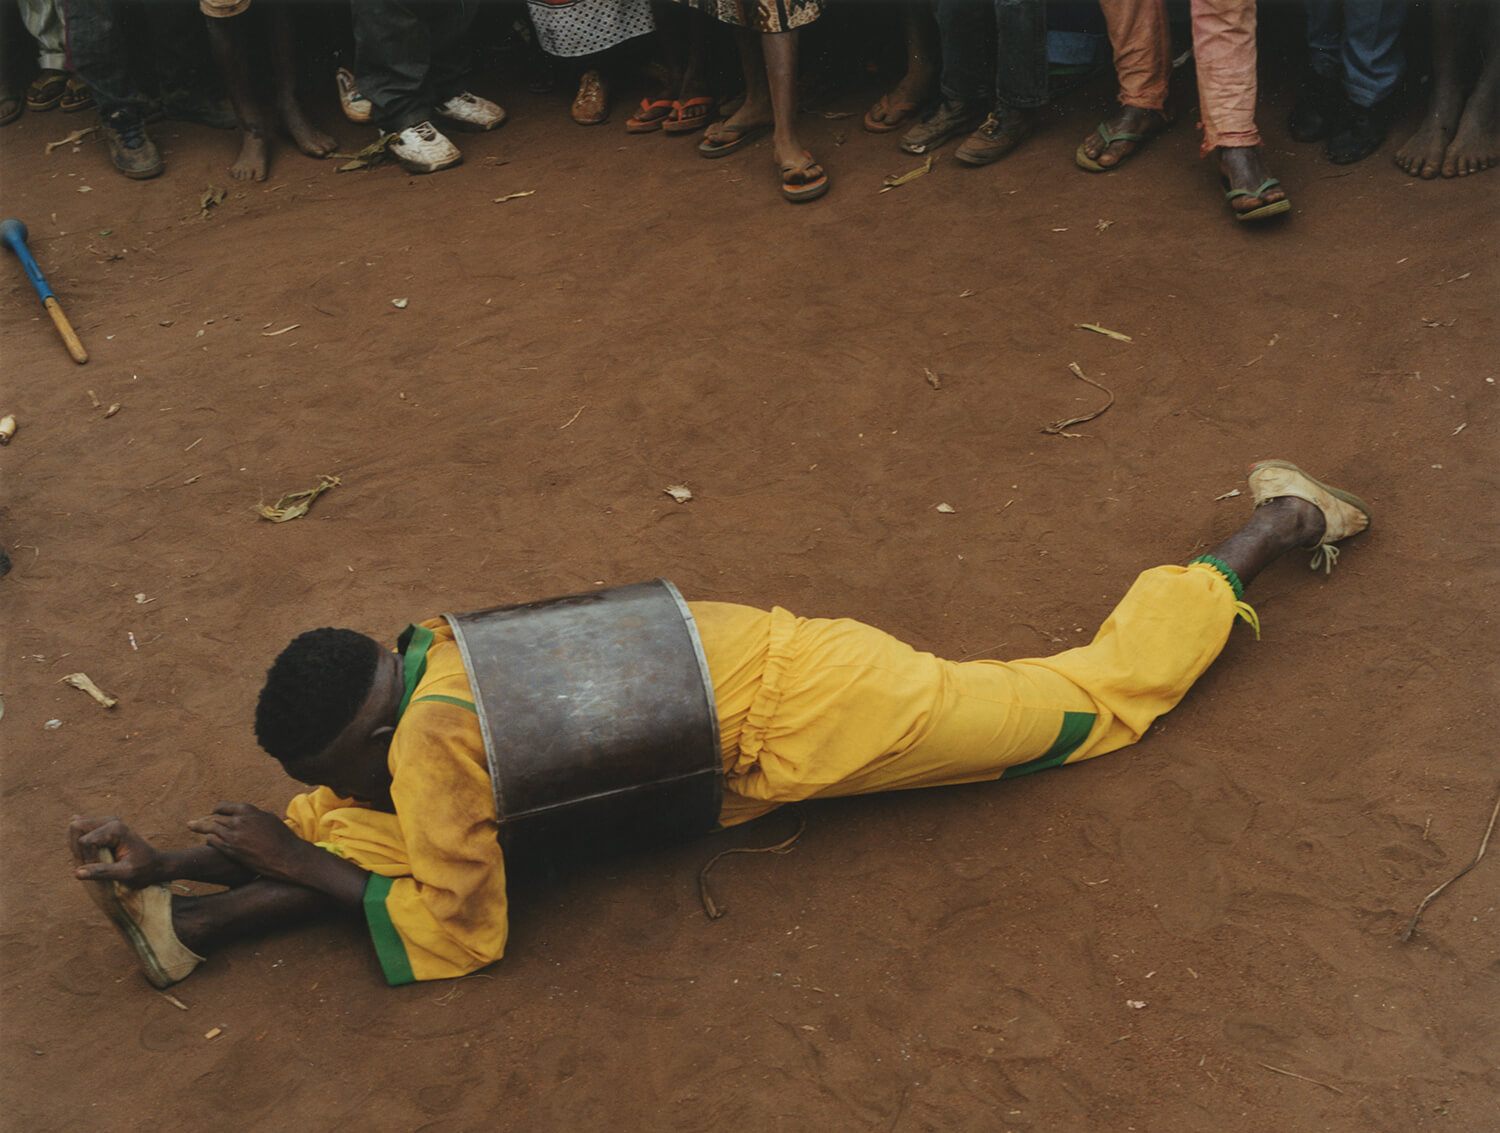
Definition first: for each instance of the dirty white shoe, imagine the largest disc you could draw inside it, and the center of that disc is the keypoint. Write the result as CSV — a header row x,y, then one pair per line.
x,y
423,149
144,918
357,108
470,112
1344,514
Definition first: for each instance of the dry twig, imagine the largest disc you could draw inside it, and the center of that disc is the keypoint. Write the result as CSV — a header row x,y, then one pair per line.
x,y
1058,427
1483,845
710,909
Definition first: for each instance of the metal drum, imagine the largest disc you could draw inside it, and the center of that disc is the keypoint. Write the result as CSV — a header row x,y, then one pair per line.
x,y
598,717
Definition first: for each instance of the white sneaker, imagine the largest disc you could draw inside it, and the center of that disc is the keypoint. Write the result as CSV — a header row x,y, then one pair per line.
x,y
356,106
422,149
472,112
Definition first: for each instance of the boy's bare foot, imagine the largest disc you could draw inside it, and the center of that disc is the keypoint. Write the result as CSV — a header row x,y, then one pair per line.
x,y
1422,154
1117,138
307,137
1476,143
253,161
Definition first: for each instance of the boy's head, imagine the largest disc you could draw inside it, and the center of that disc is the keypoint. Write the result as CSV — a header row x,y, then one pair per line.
x,y
328,710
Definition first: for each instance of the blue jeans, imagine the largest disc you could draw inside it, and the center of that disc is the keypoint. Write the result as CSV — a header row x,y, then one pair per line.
x,y
1358,42
97,52
410,56
1020,52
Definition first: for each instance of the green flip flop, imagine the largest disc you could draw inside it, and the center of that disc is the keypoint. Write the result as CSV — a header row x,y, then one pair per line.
x,y
1272,209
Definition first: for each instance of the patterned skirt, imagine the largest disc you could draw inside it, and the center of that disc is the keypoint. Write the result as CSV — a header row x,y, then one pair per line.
x,y
761,15
569,28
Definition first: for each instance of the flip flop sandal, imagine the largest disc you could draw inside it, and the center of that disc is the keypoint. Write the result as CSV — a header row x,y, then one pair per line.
x,y
1272,209
886,116
739,138
1084,161
10,109
76,97
800,185
46,90
683,122
650,117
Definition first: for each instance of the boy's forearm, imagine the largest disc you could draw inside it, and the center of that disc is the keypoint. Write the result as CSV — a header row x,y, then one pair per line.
x,y
330,874
203,863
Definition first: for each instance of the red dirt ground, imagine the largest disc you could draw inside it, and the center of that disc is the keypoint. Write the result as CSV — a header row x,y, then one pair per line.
x,y
945,960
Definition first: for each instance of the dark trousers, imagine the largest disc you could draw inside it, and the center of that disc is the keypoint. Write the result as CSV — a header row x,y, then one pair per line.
x,y
1019,37
410,56
98,52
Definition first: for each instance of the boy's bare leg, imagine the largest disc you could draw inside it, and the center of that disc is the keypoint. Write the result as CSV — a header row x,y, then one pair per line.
x,y
209,922
1276,527
232,53
308,138
756,109
780,51
1476,142
1422,154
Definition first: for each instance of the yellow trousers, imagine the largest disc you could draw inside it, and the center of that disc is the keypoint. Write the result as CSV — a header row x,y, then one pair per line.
x,y
815,707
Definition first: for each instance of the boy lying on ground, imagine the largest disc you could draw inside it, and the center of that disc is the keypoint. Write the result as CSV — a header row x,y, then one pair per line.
x,y
402,825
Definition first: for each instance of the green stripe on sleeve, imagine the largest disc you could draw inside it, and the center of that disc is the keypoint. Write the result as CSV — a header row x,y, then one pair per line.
x,y
1075,729
388,946
456,701
413,643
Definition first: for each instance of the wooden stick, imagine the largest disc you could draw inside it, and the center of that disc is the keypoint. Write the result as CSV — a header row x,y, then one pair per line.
x,y
65,328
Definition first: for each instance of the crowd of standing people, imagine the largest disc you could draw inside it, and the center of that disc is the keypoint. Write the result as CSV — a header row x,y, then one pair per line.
x,y
976,73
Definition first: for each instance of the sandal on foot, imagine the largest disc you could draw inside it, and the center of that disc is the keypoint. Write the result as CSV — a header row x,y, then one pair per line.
x,y
1159,122
689,115
888,114
723,139
144,918
1344,514
801,183
76,97
650,117
10,109
1272,208
46,90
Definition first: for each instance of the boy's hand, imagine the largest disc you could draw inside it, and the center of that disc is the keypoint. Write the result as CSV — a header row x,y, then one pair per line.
x,y
257,839
137,863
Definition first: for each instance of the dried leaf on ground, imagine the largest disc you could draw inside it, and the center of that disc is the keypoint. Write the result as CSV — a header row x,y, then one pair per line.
x,y
211,198
932,379
294,505
893,182
72,139
1104,331
81,682
376,153
512,197
679,492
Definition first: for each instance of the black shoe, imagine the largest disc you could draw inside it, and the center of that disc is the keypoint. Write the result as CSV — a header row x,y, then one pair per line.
x,y
129,148
1319,111
1362,132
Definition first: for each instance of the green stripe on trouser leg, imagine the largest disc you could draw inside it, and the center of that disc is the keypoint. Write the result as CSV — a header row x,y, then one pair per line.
x,y
1075,729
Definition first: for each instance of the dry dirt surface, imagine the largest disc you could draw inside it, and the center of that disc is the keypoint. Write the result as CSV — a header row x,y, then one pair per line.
x,y
1196,933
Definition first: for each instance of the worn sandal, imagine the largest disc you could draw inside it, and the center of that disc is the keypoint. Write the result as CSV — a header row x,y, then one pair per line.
x,y
46,90
649,118
689,115
1271,209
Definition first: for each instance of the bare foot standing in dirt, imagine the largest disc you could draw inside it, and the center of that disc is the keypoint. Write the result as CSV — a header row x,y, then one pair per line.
x,y
1458,137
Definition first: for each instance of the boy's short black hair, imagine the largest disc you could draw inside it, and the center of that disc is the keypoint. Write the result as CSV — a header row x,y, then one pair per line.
x,y
313,690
